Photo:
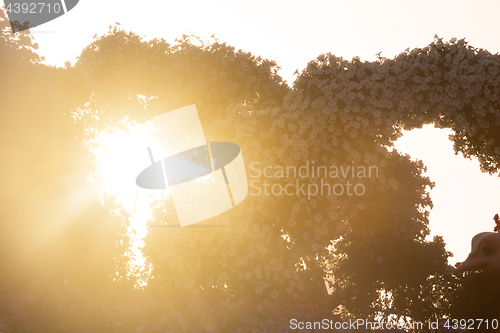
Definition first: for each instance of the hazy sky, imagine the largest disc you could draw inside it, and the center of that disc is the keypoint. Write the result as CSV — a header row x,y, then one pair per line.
x,y
294,32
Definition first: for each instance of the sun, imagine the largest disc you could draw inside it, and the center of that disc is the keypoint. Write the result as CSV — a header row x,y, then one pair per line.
x,y
115,163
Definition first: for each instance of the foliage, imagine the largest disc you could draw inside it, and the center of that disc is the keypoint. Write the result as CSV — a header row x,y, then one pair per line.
x,y
365,105
69,307
273,250
119,66
66,307
16,48
52,225
339,113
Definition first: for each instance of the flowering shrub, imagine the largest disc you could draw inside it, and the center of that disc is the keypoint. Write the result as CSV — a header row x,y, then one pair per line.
x,y
276,251
338,112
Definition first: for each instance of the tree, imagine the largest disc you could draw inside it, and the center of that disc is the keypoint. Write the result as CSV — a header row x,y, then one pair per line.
x,y
52,225
341,115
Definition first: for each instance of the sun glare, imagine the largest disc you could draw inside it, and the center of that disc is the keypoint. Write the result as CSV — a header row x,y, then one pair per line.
x,y
120,157
116,164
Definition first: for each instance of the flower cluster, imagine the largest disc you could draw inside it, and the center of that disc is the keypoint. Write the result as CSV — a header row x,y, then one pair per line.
x,y
119,66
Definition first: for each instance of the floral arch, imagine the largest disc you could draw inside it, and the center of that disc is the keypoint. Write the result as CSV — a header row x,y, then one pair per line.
x,y
337,113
